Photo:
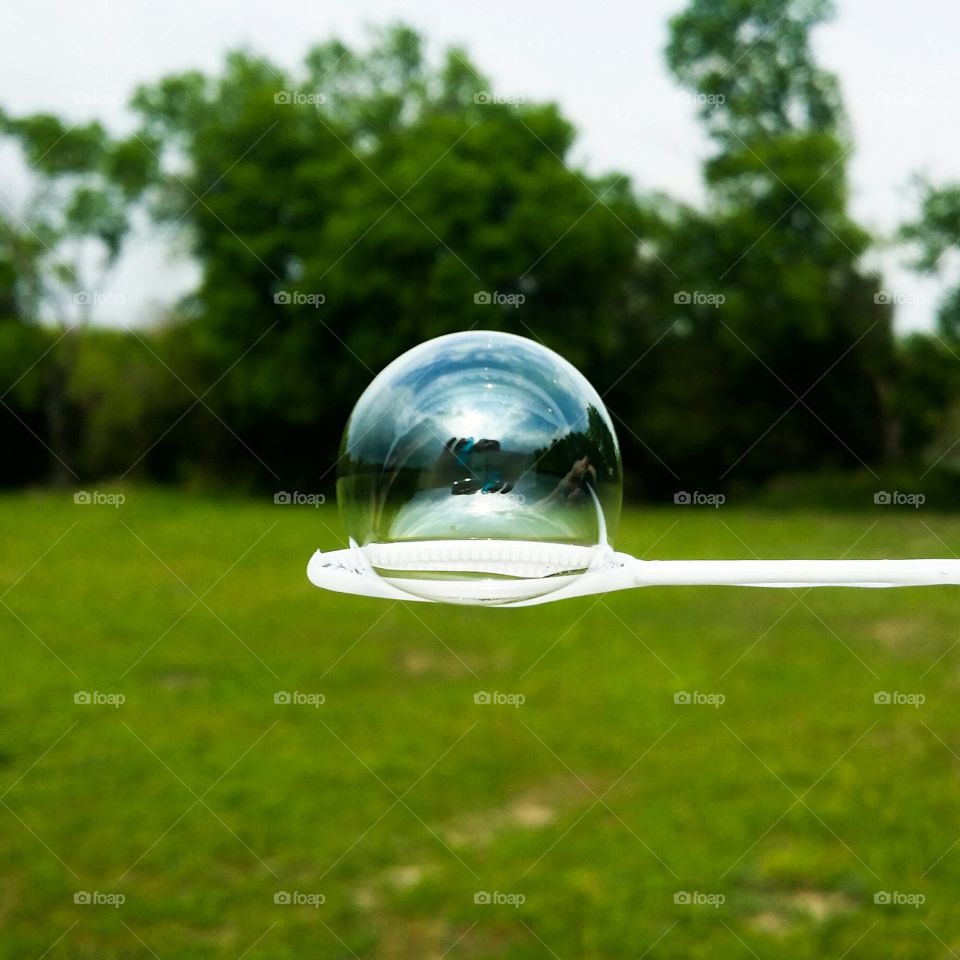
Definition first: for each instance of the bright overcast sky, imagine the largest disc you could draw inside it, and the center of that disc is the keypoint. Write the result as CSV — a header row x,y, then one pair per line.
x,y
602,61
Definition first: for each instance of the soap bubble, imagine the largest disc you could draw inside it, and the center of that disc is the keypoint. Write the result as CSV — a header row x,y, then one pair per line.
x,y
480,456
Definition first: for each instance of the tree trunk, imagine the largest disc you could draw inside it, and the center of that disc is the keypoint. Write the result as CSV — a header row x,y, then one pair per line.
x,y
57,405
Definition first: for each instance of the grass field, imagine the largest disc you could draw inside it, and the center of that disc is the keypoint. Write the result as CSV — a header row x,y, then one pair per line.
x,y
589,810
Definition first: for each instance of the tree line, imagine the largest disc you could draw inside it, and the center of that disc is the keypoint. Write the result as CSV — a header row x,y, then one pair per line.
x,y
373,198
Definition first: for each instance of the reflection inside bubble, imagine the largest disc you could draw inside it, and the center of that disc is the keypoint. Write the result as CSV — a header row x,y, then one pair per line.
x,y
480,436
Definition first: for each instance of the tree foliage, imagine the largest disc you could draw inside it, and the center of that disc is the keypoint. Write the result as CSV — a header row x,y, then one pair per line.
x,y
369,202
375,196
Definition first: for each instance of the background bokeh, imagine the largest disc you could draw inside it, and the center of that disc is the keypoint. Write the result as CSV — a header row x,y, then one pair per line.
x,y
202,756
343,211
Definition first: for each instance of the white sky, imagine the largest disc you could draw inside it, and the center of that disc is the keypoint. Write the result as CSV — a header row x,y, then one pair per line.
x,y
602,61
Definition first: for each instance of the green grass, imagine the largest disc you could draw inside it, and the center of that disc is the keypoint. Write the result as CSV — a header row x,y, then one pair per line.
x,y
400,798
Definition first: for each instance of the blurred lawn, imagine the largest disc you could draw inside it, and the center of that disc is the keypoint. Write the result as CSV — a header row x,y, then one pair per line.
x,y
399,798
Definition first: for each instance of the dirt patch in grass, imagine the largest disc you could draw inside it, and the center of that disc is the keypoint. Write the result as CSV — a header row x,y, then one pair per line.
x,y
799,907
533,809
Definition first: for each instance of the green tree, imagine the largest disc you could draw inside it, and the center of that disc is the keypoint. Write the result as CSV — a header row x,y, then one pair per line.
x,y
928,395
347,212
56,252
793,366
934,235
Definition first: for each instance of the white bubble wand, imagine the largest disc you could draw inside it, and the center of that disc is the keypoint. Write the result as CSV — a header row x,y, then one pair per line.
x,y
345,571
452,547
528,573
